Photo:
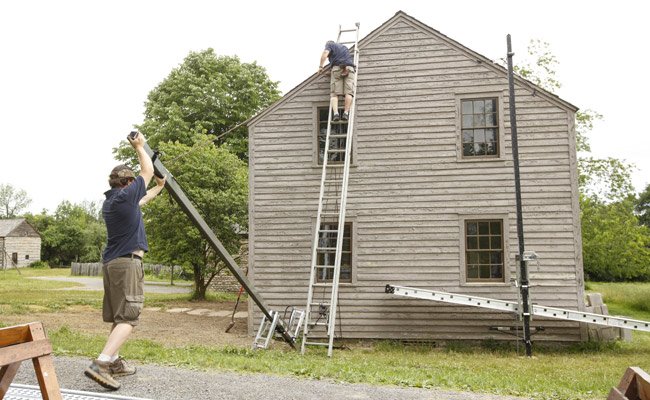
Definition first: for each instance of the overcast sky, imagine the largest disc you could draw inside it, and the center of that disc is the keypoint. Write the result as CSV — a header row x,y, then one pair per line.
x,y
74,75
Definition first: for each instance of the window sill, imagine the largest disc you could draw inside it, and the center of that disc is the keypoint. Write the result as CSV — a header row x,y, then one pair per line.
x,y
486,284
480,159
320,166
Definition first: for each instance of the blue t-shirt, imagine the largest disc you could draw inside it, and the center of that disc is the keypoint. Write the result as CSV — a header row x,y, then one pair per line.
x,y
339,54
123,219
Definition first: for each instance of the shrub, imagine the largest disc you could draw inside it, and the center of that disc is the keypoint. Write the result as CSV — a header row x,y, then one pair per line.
x,y
39,265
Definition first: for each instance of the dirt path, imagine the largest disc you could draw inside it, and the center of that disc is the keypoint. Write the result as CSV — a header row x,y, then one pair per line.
x,y
181,323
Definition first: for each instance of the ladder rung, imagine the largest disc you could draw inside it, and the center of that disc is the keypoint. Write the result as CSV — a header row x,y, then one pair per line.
x,y
325,248
328,231
336,150
318,304
338,136
339,122
322,284
349,30
317,344
324,266
335,166
333,180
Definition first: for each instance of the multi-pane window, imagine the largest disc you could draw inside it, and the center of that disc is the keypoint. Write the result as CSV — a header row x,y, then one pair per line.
x,y
335,142
479,128
327,240
484,250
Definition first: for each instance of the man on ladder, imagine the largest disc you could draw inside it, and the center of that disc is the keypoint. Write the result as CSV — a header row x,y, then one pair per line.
x,y
343,70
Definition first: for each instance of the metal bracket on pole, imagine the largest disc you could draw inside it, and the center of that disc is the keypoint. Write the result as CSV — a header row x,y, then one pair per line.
x,y
177,193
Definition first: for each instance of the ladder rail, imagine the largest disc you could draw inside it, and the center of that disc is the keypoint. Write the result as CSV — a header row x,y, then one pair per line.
x,y
319,215
344,198
342,195
513,306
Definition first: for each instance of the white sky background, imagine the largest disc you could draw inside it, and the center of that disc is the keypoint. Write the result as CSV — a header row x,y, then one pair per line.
x,y
74,75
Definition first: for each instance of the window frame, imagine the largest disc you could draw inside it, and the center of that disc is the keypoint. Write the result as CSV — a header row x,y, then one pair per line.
x,y
316,163
352,221
498,96
505,233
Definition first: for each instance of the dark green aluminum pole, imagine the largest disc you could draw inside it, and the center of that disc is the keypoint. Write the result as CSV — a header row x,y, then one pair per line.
x,y
524,284
177,193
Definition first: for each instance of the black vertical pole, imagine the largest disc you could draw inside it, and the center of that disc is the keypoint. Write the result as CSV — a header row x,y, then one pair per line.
x,y
524,284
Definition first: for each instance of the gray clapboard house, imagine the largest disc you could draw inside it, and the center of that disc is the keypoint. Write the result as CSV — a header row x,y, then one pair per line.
x,y
431,201
20,243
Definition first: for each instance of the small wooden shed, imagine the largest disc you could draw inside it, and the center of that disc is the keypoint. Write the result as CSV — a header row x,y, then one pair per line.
x,y
20,243
431,200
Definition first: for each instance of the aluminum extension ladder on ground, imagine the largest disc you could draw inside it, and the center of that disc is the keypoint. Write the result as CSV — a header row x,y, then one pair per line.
x,y
267,328
320,316
514,307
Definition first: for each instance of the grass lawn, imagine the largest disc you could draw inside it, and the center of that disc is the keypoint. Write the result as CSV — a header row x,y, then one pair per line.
x,y
584,371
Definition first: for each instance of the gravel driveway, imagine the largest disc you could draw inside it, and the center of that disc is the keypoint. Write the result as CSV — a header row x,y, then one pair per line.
x,y
166,383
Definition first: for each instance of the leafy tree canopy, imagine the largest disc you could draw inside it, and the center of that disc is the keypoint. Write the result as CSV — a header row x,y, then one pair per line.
x,y
206,94
642,207
615,247
217,181
12,201
76,232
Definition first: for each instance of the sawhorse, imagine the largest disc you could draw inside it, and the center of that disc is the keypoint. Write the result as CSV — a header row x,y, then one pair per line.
x,y
634,385
24,342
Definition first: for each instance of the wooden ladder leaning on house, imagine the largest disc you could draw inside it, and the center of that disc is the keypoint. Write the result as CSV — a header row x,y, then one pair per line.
x,y
320,316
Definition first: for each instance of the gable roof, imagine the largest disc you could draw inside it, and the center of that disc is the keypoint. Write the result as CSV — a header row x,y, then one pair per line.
x,y
9,226
402,16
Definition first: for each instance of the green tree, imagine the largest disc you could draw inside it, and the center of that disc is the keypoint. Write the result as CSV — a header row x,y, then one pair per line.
x,y
614,246
12,201
41,222
204,97
207,94
642,207
541,70
75,232
218,183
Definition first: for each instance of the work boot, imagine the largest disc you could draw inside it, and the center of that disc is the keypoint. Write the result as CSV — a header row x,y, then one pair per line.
x,y
336,117
119,367
345,116
100,372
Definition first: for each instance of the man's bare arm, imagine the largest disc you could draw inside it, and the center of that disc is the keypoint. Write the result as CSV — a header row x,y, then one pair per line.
x,y
146,166
153,192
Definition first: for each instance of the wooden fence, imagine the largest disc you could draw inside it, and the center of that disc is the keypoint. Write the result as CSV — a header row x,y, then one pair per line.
x,y
95,269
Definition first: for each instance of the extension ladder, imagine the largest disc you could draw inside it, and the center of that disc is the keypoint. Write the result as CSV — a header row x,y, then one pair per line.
x,y
320,316
267,328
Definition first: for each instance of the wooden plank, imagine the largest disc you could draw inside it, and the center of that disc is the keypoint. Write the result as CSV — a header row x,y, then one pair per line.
x,y
44,366
14,335
642,383
46,376
7,374
616,394
24,351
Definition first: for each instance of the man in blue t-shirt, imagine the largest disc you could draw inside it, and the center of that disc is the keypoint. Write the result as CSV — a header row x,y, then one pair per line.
x,y
343,71
122,262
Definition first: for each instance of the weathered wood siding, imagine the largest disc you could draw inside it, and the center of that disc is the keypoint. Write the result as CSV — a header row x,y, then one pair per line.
x,y
410,191
28,249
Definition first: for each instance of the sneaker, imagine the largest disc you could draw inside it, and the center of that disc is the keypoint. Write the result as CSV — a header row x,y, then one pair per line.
x,y
345,116
99,371
119,367
336,117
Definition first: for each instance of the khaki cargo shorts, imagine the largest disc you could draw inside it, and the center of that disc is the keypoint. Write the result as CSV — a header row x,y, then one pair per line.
x,y
123,291
341,85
